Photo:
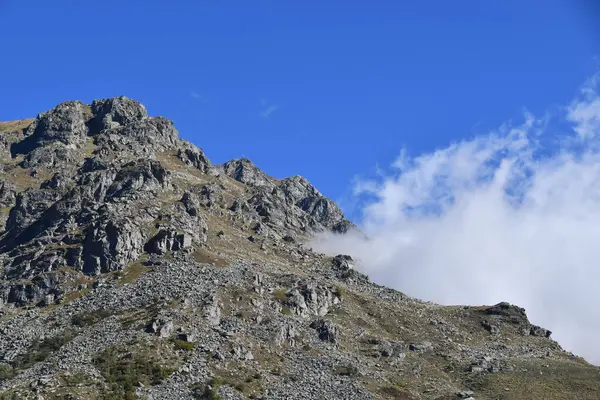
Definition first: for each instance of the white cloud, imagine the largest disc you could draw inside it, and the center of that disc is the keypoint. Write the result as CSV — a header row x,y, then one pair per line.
x,y
496,218
267,108
198,96
266,113
584,111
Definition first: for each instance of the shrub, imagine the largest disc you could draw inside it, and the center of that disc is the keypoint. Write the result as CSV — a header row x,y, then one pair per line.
x,y
280,295
124,370
6,372
41,349
286,311
88,318
183,345
339,291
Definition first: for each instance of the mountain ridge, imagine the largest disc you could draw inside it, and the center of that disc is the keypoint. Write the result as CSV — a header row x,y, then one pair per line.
x,y
132,267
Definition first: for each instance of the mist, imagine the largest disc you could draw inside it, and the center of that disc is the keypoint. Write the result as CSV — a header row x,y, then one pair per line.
x,y
512,215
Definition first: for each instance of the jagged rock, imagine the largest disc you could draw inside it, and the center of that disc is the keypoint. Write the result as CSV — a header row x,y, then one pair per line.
x,y
115,112
143,138
178,229
239,205
421,347
35,291
289,239
311,299
493,329
507,310
111,244
243,170
191,203
29,207
287,335
343,265
64,124
538,331
163,328
7,193
167,240
187,337
211,195
259,229
328,331
241,353
59,181
212,311
194,157
136,177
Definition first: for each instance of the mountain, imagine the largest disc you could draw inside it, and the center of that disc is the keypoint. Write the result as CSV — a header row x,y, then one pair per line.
x,y
132,267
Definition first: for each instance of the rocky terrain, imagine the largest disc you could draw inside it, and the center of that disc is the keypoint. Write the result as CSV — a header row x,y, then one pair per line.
x,y
134,268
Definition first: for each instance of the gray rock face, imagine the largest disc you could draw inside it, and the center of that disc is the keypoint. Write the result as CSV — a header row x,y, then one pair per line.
x,y
115,112
55,138
243,170
194,157
111,244
65,124
168,240
310,299
7,193
327,331
539,331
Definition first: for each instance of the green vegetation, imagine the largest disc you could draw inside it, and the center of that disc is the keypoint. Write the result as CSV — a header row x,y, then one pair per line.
x,y
40,350
6,372
132,272
89,317
346,371
339,291
280,295
395,392
124,371
286,310
183,345
208,391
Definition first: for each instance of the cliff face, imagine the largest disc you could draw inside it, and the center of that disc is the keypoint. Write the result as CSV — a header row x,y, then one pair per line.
x,y
132,267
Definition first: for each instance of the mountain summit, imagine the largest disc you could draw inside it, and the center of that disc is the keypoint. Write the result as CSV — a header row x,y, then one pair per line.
x,y
132,267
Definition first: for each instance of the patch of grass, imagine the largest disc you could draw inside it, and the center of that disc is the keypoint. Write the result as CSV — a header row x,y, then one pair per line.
x,y
339,291
17,125
183,345
542,379
6,372
89,317
210,391
74,295
396,392
286,310
132,272
204,256
280,295
346,371
41,349
124,370
10,395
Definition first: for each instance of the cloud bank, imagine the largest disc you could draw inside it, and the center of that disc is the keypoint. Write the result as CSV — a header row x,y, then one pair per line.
x,y
510,216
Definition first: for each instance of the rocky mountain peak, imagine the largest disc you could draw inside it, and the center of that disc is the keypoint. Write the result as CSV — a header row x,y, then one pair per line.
x,y
132,267
115,112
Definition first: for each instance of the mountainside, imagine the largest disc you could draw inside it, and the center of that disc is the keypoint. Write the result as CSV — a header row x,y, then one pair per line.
x,y
132,267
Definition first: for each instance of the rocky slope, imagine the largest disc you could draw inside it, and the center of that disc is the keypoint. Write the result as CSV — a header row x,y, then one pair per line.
x,y
134,268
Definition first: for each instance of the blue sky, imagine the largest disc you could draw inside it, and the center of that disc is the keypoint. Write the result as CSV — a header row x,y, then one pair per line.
x,y
328,90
